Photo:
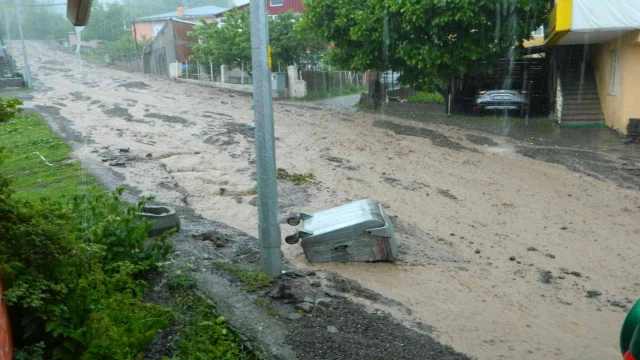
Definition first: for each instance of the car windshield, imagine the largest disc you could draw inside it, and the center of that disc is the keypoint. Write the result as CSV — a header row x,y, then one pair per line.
x,y
319,179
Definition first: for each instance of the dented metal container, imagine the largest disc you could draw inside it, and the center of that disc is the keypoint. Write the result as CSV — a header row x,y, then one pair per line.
x,y
359,231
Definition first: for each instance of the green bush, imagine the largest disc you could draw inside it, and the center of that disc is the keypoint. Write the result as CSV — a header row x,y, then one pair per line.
x,y
9,108
426,97
72,274
201,333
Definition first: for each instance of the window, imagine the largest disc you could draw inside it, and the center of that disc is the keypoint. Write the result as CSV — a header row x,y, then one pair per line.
x,y
155,29
614,72
277,2
539,32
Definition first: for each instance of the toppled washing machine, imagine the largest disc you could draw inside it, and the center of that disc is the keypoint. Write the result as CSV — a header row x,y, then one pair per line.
x,y
359,231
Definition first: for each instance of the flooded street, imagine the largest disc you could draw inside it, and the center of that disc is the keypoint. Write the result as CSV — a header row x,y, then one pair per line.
x,y
501,245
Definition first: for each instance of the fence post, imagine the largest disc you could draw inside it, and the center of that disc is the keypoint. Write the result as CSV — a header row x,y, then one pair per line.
x,y
211,67
241,72
324,82
187,62
340,79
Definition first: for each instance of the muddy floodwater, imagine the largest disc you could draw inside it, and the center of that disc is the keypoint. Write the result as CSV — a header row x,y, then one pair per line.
x,y
501,239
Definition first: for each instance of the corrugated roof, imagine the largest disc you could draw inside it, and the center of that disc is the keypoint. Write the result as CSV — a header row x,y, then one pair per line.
x,y
197,12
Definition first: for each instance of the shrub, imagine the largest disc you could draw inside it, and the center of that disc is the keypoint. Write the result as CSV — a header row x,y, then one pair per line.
x,y
426,97
72,275
9,108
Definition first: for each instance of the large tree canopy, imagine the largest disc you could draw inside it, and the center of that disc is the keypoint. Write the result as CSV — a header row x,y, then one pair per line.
x,y
428,41
224,44
229,43
108,22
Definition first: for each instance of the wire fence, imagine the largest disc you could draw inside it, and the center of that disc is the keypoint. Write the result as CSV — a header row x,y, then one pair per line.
x,y
196,70
319,82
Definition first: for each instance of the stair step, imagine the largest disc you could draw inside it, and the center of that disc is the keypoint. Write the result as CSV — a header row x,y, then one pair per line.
x,y
576,107
584,98
588,90
582,118
594,113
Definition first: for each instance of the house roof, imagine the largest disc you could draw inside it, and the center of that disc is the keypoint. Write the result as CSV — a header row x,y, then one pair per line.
x,y
198,12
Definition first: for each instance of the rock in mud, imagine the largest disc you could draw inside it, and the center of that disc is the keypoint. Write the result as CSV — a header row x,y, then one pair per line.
x,y
531,248
512,258
546,277
281,292
304,306
592,294
550,256
294,316
324,302
574,273
332,329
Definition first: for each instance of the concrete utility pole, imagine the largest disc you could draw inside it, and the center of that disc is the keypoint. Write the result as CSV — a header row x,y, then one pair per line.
x,y
25,59
269,228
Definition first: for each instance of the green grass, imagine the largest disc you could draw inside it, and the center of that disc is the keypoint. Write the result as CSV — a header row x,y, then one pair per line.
x,y
426,97
346,90
201,333
23,139
253,281
297,179
94,57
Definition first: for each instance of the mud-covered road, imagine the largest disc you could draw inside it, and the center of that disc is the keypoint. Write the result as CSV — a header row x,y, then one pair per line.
x,y
499,249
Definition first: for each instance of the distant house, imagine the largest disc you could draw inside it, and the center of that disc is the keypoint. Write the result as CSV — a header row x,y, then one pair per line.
x,y
171,44
73,41
149,26
277,7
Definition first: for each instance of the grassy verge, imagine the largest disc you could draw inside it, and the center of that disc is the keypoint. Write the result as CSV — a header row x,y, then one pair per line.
x,y
27,140
346,90
426,97
253,281
72,259
201,333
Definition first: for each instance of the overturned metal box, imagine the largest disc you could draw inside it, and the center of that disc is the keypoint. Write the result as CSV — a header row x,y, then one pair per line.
x,y
359,231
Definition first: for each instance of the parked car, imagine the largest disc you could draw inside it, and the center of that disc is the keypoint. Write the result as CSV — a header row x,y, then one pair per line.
x,y
509,100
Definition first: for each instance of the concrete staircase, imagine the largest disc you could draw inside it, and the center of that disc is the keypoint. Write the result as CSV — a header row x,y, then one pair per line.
x,y
581,103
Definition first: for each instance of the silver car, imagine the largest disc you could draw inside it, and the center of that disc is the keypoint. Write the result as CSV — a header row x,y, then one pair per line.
x,y
510,100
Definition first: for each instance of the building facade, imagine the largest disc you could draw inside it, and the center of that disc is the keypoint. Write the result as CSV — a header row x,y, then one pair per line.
x,y
148,27
599,42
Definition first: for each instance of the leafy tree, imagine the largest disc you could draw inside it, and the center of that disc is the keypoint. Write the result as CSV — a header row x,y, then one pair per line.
x,y
125,48
228,43
292,45
428,41
39,23
108,22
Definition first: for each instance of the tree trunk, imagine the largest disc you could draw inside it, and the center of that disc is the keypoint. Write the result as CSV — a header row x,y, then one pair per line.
x,y
375,93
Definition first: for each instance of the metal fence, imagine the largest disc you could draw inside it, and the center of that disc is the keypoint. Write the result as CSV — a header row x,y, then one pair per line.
x,y
196,70
331,81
